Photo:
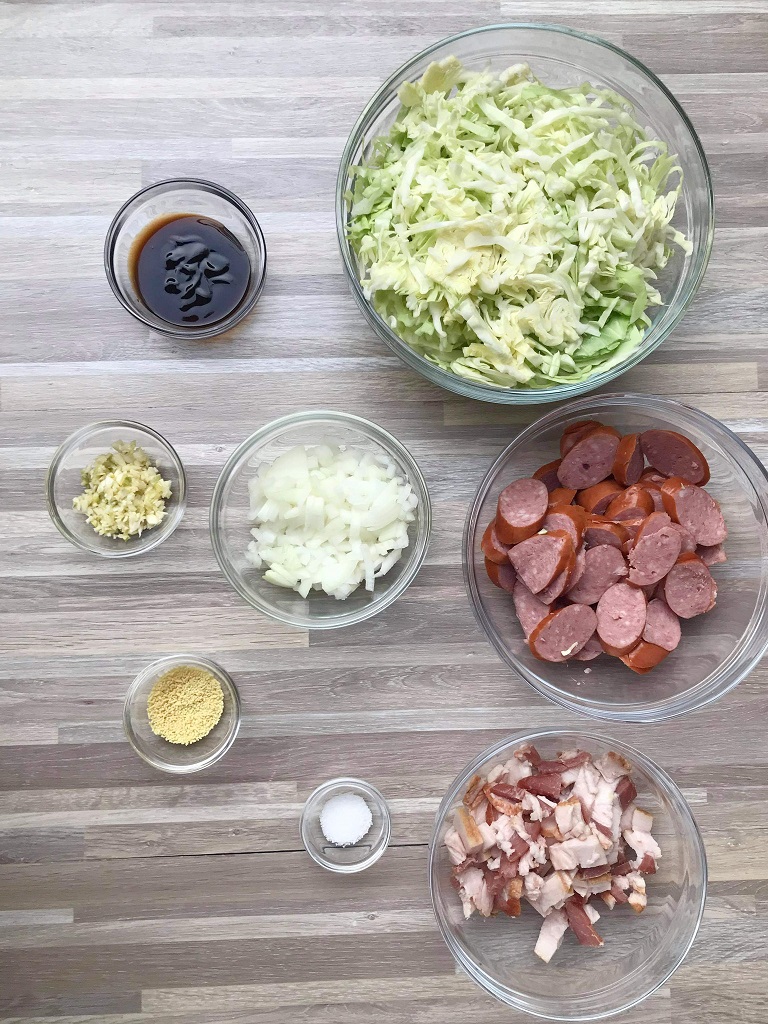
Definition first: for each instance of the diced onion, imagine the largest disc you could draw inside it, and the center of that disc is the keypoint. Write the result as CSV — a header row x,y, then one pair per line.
x,y
328,518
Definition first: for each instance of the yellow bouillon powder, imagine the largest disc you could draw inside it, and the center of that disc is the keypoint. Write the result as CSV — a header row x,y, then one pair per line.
x,y
185,704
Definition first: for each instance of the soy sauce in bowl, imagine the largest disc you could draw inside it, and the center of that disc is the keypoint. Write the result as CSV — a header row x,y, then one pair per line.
x,y
189,270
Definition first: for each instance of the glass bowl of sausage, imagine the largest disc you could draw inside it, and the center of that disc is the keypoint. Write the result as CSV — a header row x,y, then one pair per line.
x,y
658,605
567,943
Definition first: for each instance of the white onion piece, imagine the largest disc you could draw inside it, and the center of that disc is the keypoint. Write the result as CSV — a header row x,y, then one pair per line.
x,y
328,518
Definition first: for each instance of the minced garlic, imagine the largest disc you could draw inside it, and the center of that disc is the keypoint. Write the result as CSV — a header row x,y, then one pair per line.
x,y
185,704
124,493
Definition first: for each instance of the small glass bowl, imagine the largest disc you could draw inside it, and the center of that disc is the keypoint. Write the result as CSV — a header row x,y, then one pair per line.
x,y
346,860
717,650
63,485
560,57
183,196
175,757
641,951
231,525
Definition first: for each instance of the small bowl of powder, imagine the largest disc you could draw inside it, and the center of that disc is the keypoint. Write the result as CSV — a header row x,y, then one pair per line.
x,y
345,825
181,713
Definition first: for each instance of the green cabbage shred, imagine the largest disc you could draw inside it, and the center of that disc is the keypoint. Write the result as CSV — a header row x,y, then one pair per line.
x,y
511,233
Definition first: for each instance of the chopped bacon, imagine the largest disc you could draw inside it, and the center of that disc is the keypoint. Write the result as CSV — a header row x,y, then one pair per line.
x,y
454,845
491,814
564,763
609,899
533,828
504,799
594,872
508,900
550,785
512,793
625,791
581,924
618,894
553,928
528,753
474,793
467,829
550,830
621,868
612,766
471,862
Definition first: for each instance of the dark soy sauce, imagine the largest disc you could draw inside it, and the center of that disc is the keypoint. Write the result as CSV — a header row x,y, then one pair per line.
x,y
189,270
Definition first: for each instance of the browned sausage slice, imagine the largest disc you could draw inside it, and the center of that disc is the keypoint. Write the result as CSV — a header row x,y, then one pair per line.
x,y
655,492
644,657
654,553
662,626
694,509
674,455
575,432
540,558
571,518
590,460
600,531
651,475
561,496
597,499
492,547
688,544
528,608
560,583
629,462
592,649
620,618
654,522
634,503
502,576
604,566
521,510
711,555
689,588
548,475
563,633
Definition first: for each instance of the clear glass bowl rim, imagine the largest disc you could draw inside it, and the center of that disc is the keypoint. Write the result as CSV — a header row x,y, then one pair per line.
x,y
156,668
192,333
685,819
375,795
381,437
474,389
70,444
723,680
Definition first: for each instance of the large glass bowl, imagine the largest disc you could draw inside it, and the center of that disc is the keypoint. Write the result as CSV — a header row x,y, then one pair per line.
x,y
560,57
717,650
641,951
230,523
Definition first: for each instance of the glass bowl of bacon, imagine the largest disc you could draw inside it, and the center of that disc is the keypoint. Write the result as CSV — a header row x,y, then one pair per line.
x,y
567,874
616,555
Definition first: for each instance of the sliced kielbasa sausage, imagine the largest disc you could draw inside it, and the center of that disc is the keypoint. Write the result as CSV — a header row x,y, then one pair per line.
x,y
596,499
644,657
628,463
604,565
592,649
662,626
540,558
695,510
575,432
560,583
674,455
634,503
571,518
689,588
528,608
502,576
548,475
711,554
621,618
563,633
654,552
655,492
521,510
561,496
651,475
492,547
600,531
687,543
590,460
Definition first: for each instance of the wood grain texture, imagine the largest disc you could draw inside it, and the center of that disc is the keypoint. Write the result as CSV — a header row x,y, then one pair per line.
x,y
129,898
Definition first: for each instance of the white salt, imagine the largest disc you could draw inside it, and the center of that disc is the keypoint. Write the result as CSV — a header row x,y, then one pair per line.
x,y
345,819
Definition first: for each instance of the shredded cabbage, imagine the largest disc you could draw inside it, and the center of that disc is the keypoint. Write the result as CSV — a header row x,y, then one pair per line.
x,y
510,232
328,518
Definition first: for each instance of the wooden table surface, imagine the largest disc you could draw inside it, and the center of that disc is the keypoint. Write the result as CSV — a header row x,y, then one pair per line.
x,y
129,897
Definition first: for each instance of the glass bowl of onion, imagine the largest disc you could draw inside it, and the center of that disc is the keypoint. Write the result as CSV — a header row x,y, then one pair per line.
x,y
320,519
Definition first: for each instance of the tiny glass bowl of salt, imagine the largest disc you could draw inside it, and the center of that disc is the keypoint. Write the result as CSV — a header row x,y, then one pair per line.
x,y
345,825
